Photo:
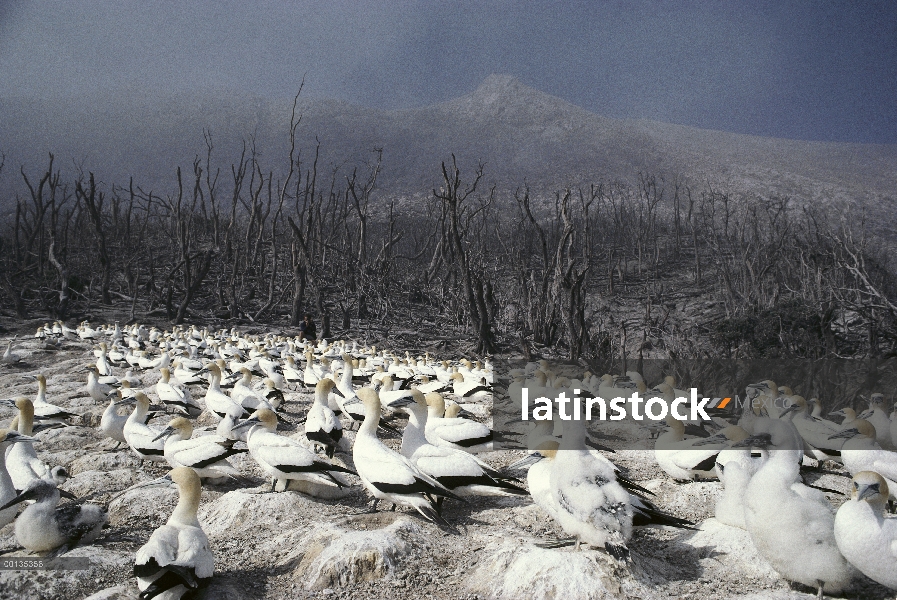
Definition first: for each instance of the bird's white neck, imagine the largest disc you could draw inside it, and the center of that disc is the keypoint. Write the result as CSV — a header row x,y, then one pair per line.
x,y
413,436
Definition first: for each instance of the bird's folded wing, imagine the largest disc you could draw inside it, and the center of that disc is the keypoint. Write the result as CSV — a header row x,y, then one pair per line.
x,y
455,431
193,551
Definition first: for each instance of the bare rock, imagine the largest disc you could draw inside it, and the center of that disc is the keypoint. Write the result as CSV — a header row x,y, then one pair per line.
x,y
87,482
152,503
103,461
510,570
241,510
332,556
40,584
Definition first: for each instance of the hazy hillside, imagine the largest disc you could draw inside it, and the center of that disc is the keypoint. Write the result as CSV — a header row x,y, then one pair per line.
x,y
521,133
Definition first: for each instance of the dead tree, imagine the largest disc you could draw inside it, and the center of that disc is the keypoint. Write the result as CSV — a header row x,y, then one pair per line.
x,y
93,201
453,196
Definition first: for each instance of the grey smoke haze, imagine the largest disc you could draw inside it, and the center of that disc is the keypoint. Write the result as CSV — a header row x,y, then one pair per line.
x,y
803,70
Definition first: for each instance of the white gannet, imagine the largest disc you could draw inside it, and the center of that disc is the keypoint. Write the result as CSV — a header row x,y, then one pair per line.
x,y
243,394
388,475
141,437
815,433
284,458
176,560
472,391
176,396
457,432
861,452
9,357
43,410
103,367
270,392
878,416
321,424
791,524
8,437
112,424
734,467
458,471
591,504
216,401
96,390
206,454
866,538
44,526
686,459
21,460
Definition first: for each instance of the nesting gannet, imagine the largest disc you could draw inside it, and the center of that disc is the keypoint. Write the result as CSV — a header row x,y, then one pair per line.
x,y
9,357
791,524
734,467
43,410
44,526
8,437
243,394
814,432
880,420
21,459
216,401
685,459
176,396
176,561
102,364
284,458
458,471
471,391
591,504
321,425
96,390
112,424
861,452
458,433
272,395
388,475
865,537
207,454
142,438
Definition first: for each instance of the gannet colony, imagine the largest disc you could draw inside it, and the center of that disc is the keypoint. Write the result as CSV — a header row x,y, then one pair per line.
x,y
192,463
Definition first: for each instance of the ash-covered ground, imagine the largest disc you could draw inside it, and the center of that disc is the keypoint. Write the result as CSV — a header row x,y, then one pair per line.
x,y
287,545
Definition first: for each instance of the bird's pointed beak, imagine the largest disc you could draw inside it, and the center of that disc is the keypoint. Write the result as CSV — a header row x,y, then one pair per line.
x,y
67,494
526,461
247,423
26,495
789,410
129,400
846,434
352,400
867,491
400,403
466,413
165,433
14,438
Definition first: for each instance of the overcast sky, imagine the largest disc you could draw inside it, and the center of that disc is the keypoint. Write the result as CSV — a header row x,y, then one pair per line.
x,y
806,70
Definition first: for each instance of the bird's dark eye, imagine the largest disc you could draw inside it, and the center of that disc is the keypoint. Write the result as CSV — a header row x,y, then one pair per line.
x,y
856,486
